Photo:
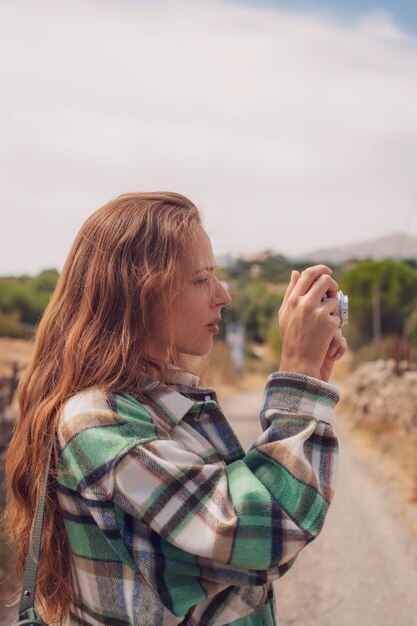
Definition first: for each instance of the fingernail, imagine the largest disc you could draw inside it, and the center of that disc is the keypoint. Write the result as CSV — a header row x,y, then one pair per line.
x,y
332,351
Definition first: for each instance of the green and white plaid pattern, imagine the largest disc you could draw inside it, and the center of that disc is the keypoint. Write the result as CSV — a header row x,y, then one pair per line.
x,y
170,522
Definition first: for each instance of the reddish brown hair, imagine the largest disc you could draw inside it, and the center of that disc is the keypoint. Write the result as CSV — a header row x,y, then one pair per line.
x,y
122,273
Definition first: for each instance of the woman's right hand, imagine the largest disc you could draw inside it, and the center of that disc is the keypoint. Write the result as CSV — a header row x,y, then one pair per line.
x,y
308,321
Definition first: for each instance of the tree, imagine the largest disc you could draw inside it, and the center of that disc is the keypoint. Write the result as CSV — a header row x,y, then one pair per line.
x,y
260,305
23,299
396,283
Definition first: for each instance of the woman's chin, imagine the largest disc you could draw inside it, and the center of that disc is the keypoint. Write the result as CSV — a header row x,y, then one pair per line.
x,y
198,351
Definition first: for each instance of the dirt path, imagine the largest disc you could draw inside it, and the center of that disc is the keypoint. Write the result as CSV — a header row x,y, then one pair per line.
x,y
362,569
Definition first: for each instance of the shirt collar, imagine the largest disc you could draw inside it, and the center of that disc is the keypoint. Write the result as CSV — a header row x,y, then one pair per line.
x,y
177,376
171,402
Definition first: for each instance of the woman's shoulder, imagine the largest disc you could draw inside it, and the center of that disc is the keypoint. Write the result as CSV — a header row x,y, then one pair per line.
x,y
95,431
102,417
91,399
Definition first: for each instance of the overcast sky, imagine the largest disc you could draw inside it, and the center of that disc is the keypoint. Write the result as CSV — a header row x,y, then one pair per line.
x,y
292,129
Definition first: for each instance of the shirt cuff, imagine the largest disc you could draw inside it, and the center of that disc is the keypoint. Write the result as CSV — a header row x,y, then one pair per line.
x,y
292,393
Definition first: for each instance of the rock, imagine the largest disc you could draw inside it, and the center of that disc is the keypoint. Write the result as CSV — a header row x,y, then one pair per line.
x,y
376,390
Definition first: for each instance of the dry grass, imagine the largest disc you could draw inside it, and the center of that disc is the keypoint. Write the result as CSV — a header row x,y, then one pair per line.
x,y
14,351
394,449
222,375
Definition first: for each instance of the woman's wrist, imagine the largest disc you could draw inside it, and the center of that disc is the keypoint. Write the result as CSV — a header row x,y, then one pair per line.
x,y
299,367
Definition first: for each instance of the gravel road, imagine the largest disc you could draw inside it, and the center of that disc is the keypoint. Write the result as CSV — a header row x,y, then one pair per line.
x,y
362,569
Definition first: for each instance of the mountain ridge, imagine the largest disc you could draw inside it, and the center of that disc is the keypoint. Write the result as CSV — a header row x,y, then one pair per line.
x,y
395,246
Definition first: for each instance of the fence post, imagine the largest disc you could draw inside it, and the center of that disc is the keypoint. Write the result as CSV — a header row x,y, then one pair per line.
x,y
396,353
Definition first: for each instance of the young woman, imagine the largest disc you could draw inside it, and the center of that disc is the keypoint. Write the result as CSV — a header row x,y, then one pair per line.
x,y
155,514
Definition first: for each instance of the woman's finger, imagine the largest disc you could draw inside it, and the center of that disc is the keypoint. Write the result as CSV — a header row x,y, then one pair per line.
x,y
308,278
293,281
330,305
337,347
324,285
341,350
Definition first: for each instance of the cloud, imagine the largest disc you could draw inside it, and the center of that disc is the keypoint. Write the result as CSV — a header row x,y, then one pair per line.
x,y
291,131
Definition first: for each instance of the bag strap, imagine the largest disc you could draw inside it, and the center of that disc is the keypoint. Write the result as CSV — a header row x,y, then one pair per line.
x,y
27,598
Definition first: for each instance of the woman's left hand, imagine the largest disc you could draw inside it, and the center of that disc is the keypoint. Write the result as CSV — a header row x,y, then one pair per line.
x,y
337,348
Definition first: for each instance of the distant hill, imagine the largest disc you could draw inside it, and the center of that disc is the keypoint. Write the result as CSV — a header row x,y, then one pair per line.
x,y
397,246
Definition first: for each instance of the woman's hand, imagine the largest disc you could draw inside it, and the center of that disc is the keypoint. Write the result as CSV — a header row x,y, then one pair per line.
x,y
337,348
309,327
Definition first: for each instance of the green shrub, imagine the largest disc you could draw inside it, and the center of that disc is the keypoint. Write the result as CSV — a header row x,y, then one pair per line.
x,y
23,299
10,326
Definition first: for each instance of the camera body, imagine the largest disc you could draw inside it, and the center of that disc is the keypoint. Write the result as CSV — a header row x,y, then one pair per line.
x,y
343,307
343,310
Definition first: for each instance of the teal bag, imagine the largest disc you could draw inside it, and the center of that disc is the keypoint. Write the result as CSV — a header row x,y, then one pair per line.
x,y
28,615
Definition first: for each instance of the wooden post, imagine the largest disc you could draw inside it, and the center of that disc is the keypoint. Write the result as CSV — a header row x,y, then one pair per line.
x,y
376,312
396,353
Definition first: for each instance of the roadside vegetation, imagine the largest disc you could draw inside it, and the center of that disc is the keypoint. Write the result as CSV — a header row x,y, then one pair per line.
x,y
23,300
382,305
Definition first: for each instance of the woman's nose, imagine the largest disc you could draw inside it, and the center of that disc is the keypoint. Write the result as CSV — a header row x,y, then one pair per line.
x,y
222,296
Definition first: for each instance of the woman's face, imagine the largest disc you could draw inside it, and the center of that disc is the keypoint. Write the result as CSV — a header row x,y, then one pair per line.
x,y
195,313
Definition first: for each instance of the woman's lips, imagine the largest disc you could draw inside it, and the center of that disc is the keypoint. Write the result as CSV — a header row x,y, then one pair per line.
x,y
213,328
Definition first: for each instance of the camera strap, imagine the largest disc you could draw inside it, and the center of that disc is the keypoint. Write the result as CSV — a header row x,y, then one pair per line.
x,y
27,598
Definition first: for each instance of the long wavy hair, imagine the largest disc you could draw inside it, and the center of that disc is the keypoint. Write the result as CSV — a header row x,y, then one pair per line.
x,y
116,287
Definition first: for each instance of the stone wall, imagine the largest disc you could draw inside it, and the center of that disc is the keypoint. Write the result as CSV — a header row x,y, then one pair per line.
x,y
378,390
6,430
9,380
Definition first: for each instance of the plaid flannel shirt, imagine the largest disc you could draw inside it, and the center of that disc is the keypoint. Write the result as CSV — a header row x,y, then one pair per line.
x,y
170,522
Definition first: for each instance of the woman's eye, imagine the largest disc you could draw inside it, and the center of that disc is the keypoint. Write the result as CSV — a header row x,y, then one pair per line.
x,y
203,281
